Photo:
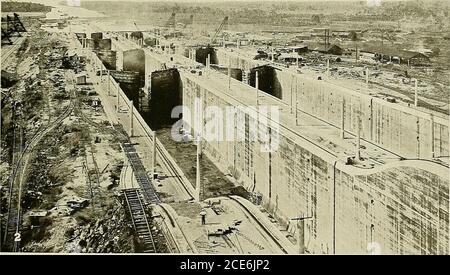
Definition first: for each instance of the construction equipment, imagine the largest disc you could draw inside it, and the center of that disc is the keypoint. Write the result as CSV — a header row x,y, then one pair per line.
x,y
223,26
13,26
18,24
6,37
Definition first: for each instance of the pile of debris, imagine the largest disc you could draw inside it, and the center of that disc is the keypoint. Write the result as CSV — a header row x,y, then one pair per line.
x,y
106,235
66,206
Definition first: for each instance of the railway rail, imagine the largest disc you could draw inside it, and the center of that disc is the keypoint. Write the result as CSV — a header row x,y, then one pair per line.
x,y
7,51
11,238
139,219
164,156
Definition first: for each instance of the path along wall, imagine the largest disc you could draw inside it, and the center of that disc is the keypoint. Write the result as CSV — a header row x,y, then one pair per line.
x,y
395,208
403,130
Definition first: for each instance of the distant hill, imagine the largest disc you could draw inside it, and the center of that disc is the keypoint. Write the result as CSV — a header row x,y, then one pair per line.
x,y
24,7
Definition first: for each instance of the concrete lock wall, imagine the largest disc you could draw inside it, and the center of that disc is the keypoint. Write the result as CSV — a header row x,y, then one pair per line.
x,y
235,73
153,62
401,207
237,61
408,132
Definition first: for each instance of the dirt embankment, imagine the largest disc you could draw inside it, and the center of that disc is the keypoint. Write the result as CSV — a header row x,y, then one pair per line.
x,y
70,199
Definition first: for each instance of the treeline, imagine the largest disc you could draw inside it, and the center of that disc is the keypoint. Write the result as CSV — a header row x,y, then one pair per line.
x,y
24,7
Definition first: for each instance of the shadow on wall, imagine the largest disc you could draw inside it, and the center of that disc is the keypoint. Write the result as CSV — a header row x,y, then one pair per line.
x,y
165,94
202,53
267,80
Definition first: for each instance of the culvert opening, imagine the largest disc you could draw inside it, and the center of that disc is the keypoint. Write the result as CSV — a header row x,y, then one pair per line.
x,y
267,80
202,53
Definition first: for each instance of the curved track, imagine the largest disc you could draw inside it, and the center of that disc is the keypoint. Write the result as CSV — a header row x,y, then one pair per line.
x,y
9,50
11,238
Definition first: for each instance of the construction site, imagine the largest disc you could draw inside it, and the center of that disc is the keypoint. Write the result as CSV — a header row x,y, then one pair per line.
x,y
226,128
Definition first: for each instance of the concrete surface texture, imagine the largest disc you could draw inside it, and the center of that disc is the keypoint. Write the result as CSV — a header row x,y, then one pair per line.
x,y
318,156
301,178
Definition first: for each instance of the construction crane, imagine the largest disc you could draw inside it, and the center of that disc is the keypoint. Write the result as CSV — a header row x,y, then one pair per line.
x,y
223,26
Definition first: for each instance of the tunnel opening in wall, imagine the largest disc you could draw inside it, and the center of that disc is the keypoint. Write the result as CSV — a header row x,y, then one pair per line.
x,y
267,80
165,94
202,53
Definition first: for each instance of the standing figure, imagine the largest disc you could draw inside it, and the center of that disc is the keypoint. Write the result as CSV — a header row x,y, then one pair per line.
x,y
203,215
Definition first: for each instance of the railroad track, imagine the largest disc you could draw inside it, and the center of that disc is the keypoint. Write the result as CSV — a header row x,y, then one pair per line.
x,y
9,50
11,238
141,175
163,154
139,220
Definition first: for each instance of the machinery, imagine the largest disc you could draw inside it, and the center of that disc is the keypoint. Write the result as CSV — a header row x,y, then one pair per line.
x,y
223,26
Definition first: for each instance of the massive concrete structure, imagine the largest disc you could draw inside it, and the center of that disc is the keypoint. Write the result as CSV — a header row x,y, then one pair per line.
x,y
400,206
368,174
409,132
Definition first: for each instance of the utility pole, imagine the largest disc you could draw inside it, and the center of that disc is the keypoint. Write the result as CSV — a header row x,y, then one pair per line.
x,y
301,233
432,135
328,67
343,118
229,74
118,97
416,96
131,118
109,91
153,154
296,103
367,76
358,138
198,176
257,88
292,94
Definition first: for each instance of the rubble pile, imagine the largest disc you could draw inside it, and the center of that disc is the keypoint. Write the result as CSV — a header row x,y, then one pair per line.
x,y
106,235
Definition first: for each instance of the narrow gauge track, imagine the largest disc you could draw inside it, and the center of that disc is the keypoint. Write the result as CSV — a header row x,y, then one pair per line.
x,y
139,220
141,175
92,185
11,238
136,205
7,51
267,232
165,157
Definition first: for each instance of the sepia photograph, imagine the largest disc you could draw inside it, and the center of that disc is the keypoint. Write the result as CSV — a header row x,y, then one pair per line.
x,y
225,127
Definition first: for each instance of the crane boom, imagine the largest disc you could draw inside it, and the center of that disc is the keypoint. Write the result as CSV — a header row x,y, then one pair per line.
x,y
222,26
